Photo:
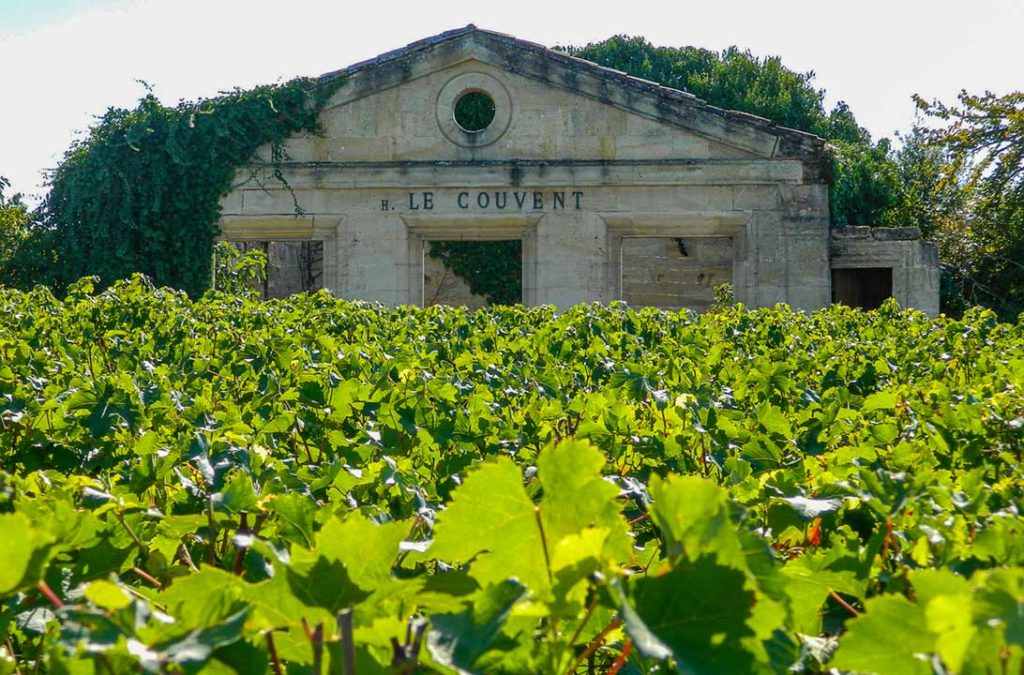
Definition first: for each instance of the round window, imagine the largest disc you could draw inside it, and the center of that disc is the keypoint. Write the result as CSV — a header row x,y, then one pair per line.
x,y
474,111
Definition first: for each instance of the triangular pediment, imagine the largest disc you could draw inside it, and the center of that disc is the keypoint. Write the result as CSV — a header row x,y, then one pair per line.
x,y
392,107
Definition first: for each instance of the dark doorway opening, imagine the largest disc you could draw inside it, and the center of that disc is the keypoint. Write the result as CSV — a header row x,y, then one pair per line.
x,y
863,287
473,273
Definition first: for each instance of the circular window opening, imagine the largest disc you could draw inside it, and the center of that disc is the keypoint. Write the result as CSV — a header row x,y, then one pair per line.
x,y
474,111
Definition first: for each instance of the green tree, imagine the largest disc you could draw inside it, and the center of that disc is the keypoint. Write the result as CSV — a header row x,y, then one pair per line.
x,y
865,190
936,204
929,199
866,184
983,139
733,79
14,222
26,252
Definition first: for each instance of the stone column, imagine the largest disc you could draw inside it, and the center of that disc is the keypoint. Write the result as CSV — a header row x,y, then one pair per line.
x,y
373,260
570,255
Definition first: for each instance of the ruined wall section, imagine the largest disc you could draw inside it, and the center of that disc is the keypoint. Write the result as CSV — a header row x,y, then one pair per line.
x,y
577,253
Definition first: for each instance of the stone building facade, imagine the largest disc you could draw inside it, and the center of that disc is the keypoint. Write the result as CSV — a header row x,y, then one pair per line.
x,y
618,188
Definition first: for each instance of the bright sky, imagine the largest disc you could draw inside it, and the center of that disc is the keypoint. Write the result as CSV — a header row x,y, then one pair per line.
x,y
65,61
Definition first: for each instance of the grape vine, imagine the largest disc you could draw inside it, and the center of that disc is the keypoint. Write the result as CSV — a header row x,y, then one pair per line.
x,y
314,485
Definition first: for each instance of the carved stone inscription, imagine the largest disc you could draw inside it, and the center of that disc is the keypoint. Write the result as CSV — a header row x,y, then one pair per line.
x,y
487,200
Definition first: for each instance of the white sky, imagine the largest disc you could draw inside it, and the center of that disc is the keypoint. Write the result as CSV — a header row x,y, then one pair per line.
x,y
65,61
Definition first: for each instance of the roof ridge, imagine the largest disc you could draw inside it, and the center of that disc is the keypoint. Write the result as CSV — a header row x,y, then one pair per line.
x,y
416,45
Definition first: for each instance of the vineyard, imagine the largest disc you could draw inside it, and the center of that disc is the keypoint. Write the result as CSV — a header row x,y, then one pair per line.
x,y
321,486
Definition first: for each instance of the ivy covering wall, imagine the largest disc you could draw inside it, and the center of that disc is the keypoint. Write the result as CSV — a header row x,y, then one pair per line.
x,y
492,269
141,192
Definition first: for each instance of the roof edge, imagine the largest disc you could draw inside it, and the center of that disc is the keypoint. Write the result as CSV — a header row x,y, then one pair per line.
x,y
677,96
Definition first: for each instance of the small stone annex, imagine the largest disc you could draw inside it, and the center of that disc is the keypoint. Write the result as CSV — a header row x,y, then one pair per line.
x,y
617,188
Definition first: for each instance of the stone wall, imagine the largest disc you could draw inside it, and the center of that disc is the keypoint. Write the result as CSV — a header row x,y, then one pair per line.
x,y
579,163
675,273
570,255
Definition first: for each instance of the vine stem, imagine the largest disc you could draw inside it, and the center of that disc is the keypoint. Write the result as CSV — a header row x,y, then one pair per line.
x,y
623,657
186,557
595,644
14,657
237,567
317,640
348,648
639,519
133,592
147,576
212,525
850,608
586,619
50,595
553,622
131,533
544,544
886,541
274,660
106,663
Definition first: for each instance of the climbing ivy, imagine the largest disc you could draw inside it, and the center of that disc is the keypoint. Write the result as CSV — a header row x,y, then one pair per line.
x,y
493,269
141,192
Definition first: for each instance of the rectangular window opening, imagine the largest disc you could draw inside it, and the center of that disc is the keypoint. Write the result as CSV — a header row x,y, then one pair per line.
x,y
292,266
473,274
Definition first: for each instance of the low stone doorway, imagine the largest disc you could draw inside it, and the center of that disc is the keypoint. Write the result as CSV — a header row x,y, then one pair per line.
x,y
863,287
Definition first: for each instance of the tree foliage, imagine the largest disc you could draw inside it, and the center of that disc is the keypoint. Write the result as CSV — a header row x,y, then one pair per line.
x,y
983,141
866,184
866,189
732,79
14,225
984,136
26,251
492,269
934,197
236,272
141,192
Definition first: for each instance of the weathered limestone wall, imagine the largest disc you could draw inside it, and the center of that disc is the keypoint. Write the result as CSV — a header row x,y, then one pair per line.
x,y
580,163
674,273
570,255
400,124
